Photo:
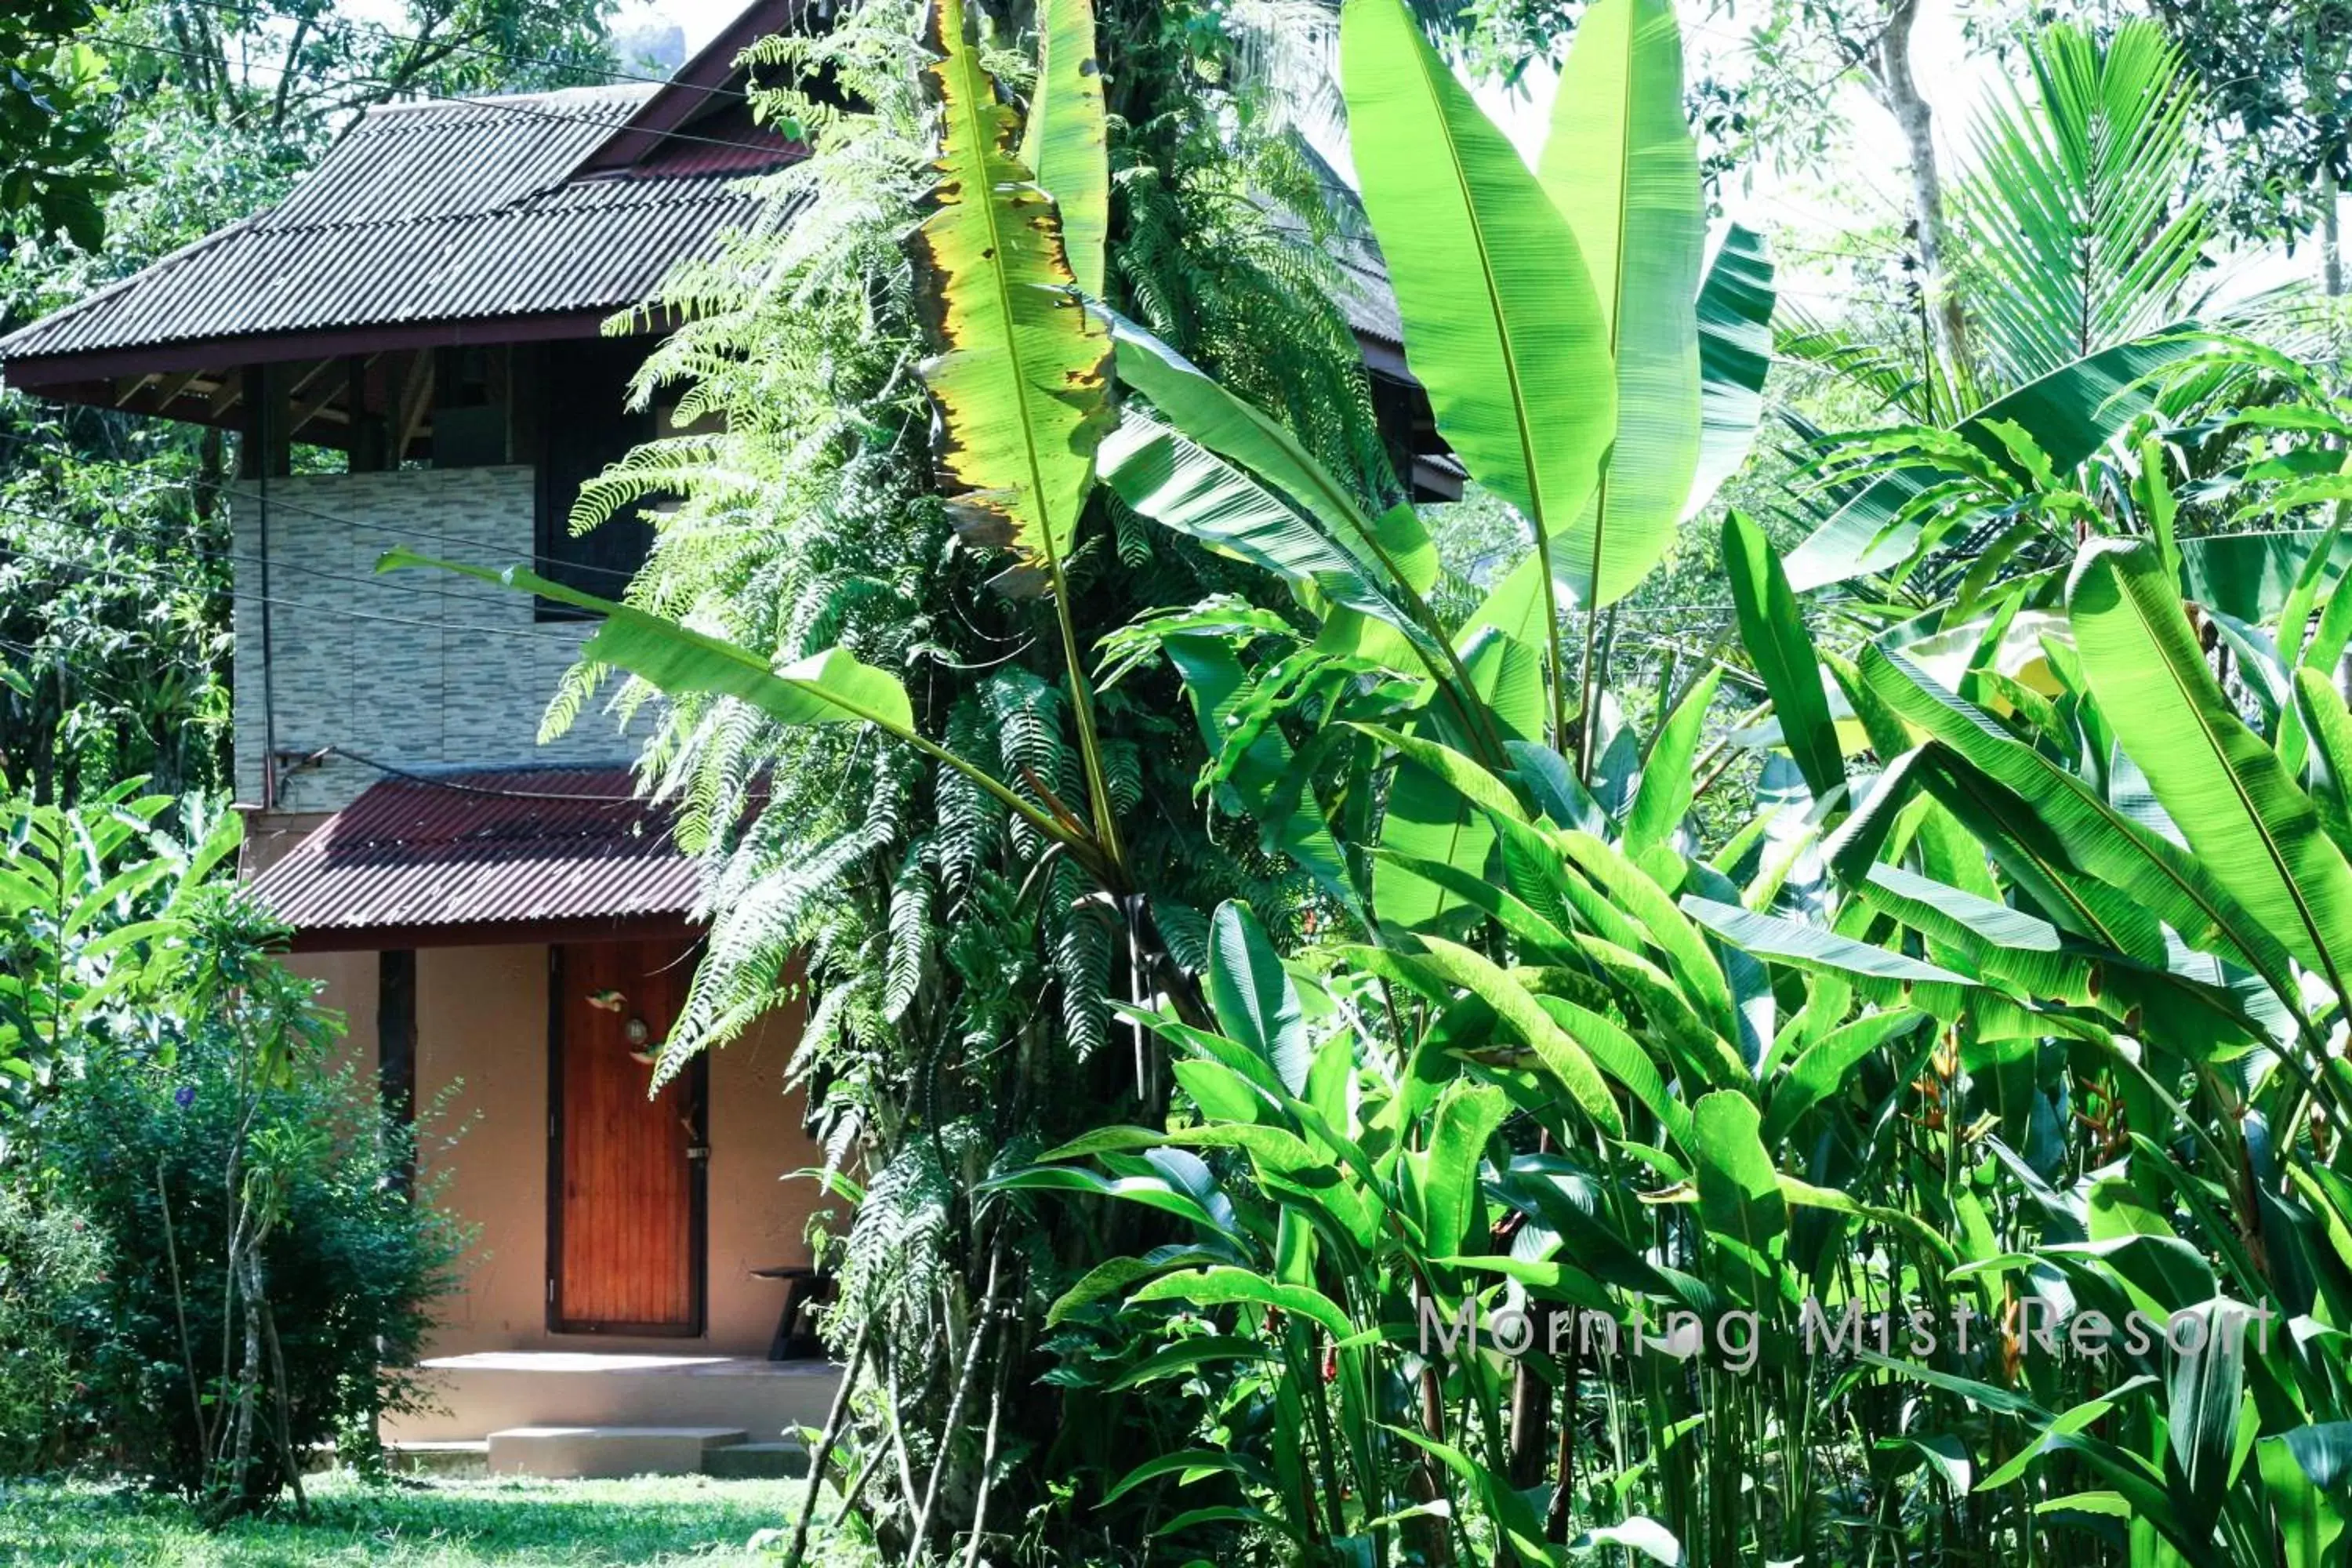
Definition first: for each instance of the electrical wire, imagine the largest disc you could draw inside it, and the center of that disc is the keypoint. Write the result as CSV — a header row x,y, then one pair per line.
x,y
278,503
432,781
604,73
138,579
505,105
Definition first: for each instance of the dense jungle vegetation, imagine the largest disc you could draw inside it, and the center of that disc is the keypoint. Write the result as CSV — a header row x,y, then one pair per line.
x,y
1768,987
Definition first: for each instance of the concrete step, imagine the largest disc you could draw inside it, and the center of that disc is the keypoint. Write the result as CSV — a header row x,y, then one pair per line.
x,y
571,1452
451,1459
485,1392
757,1461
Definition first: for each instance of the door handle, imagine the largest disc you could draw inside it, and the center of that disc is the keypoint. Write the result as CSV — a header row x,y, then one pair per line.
x,y
697,1151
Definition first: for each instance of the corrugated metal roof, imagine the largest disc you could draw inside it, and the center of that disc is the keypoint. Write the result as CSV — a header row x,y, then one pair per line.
x,y
487,846
425,212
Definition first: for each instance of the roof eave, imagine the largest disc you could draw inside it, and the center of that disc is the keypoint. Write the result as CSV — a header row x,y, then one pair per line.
x,y
58,375
494,933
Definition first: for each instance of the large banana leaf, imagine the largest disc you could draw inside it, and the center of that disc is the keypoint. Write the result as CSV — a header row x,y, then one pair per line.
x,y
1428,815
1451,1206
1236,430
2249,576
1774,634
1664,797
829,688
1885,976
1502,324
1237,479
2082,831
1023,374
2070,413
1739,1200
1063,143
2244,817
1735,354
1183,485
1254,999
1622,168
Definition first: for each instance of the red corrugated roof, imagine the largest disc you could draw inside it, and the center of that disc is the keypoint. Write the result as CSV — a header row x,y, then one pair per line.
x,y
501,845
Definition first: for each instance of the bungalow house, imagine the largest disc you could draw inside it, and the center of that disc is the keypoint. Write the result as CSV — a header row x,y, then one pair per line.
x,y
507,929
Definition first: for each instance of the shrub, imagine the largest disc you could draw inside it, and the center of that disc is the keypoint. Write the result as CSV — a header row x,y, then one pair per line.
x,y
48,1251
348,1269
211,1260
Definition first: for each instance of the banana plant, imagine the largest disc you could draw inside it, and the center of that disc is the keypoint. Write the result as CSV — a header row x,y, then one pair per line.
x,y
1588,377
1594,378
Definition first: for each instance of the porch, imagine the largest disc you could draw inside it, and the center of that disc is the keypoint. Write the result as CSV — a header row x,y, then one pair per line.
x,y
575,1413
511,949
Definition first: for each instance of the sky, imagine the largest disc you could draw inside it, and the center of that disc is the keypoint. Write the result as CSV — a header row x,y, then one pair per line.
x,y
700,19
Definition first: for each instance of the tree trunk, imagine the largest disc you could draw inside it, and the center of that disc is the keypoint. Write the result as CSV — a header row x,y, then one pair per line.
x,y
2331,236
1890,69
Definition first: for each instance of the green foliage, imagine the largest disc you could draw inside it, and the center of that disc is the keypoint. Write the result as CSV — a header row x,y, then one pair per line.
x,y
144,1150
98,908
52,124
2018,985
199,1206
48,1251
2083,234
2280,77
2011,982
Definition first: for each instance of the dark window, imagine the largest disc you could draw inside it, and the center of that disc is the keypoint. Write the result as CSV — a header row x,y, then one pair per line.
x,y
469,408
585,427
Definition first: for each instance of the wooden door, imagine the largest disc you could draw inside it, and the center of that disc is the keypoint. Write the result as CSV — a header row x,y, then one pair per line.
x,y
626,1172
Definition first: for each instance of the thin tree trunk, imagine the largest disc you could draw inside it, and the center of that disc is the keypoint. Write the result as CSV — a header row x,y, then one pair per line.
x,y
835,1423
944,1458
180,1312
232,1496
1890,69
988,1460
2331,236
283,1398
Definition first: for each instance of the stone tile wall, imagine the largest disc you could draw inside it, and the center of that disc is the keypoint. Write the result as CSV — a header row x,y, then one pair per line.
x,y
417,669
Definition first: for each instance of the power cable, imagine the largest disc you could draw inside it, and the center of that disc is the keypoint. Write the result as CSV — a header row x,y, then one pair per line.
x,y
608,74
432,781
278,503
505,105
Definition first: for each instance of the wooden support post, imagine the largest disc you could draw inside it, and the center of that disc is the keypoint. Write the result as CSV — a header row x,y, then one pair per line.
x,y
395,1045
371,444
266,450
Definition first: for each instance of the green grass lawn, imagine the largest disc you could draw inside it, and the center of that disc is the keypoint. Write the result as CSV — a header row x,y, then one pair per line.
x,y
418,1524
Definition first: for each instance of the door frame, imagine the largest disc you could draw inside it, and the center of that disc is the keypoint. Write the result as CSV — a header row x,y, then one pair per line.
x,y
694,1083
